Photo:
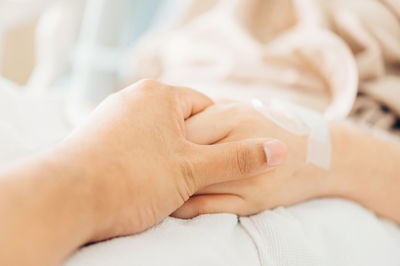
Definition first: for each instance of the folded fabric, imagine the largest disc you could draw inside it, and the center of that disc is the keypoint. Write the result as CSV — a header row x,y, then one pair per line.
x,y
324,232
205,240
314,52
321,232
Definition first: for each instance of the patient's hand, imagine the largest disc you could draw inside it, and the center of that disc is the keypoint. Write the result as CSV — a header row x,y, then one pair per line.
x,y
292,182
362,166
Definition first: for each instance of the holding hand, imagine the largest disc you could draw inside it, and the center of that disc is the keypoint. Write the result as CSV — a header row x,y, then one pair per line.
x,y
142,166
125,170
292,182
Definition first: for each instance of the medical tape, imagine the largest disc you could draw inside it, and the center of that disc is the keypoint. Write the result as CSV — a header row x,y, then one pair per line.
x,y
301,121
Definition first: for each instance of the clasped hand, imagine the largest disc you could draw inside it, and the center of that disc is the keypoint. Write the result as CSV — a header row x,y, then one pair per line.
x,y
143,167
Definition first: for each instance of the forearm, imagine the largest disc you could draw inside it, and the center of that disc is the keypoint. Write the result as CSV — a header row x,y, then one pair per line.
x,y
366,169
46,211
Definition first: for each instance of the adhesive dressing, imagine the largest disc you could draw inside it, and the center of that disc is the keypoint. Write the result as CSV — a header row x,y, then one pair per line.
x,y
301,121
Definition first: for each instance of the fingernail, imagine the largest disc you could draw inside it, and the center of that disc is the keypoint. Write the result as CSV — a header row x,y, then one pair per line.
x,y
275,151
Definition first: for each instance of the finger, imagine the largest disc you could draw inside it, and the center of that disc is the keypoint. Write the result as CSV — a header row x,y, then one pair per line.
x,y
213,164
244,185
208,204
191,101
188,101
210,126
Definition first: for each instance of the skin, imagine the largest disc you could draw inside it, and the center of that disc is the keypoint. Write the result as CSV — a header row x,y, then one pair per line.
x,y
125,170
364,168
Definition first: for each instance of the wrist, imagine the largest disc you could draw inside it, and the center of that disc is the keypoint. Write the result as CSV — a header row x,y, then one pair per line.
x,y
340,180
100,175
367,165
81,186
361,163
345,161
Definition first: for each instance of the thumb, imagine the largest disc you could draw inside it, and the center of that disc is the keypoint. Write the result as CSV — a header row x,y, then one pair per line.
x,y
225,162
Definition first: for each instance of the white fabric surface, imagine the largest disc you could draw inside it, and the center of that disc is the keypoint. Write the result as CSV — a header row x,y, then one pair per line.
x,y
28,123
206,240
324,232
320,232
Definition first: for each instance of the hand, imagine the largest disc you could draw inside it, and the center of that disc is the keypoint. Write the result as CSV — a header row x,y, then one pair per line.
x,y
141,165
294,181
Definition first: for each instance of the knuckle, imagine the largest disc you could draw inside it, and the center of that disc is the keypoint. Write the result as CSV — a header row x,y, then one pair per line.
x,y
249,159
153,88
149,86
143,87
171,101
147,83
242,162
189,180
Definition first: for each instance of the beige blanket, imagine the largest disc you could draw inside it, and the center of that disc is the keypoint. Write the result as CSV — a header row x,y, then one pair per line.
x,y
340,57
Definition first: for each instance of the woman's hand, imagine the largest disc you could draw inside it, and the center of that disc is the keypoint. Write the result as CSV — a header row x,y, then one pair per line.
x,y
125,170
142,165
294,181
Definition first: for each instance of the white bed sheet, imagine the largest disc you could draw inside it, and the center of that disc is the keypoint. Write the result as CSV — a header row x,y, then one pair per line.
x,y
320,232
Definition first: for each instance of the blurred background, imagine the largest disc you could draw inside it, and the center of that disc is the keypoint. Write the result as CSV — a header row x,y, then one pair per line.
x,y
75,45
60,58
339,57
74,32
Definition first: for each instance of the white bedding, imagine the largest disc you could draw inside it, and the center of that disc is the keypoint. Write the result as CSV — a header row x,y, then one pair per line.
x,y
319,232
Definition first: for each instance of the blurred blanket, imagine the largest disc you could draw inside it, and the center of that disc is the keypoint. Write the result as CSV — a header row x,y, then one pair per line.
x,y
322,54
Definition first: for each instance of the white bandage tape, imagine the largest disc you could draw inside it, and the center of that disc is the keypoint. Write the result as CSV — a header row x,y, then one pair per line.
x,y
301,121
